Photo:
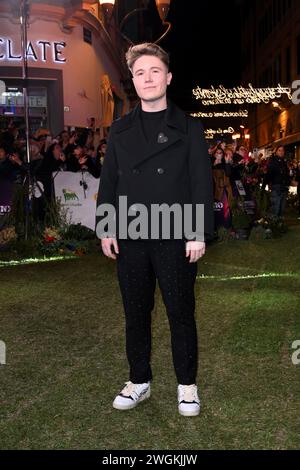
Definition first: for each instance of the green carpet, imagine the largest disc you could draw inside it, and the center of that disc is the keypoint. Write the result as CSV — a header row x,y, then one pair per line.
x,y
63,326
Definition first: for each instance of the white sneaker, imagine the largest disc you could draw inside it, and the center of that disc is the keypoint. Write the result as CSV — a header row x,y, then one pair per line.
x,y
131,395
188,400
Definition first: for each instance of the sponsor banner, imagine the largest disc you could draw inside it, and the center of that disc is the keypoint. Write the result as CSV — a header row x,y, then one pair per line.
x,y
6,193
78,194
222,212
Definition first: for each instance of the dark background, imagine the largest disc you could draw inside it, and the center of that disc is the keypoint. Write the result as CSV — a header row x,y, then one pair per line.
x,y
204,44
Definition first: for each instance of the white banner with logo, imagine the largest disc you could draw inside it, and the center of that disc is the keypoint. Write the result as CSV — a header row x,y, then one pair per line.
x,y
78,194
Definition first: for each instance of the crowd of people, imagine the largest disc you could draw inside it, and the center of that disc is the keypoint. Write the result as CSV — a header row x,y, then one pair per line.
x,y
237,171
68,151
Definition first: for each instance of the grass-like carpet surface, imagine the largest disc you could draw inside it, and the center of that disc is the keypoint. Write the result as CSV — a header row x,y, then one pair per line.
x,y
63,325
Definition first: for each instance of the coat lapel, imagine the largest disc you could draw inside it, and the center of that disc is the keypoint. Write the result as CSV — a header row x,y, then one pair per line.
x,y
131,134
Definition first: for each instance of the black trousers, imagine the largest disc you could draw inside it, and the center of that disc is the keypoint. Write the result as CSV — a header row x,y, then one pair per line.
x,y
139,264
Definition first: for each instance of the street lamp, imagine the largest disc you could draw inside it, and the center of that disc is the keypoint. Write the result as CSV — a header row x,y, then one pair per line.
x,y
107,7
24,15
162,6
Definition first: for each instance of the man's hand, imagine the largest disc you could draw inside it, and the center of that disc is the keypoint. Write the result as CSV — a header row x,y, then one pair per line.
x,y
107,244
15,159
194,250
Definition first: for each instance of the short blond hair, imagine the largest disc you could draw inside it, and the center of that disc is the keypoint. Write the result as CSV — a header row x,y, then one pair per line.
x,y
146,48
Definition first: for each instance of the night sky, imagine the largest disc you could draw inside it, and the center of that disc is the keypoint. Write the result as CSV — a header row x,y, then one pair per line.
x,y
204,46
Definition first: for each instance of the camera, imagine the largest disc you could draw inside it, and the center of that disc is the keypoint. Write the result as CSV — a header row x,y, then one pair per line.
x,y
83,184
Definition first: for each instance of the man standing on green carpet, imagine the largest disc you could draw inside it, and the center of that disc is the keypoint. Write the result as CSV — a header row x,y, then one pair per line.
x,y
156,155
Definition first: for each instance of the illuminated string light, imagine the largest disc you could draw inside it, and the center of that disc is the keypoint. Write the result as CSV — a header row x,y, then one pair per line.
x,y
4,264
246,277
209,133
240,95
224,114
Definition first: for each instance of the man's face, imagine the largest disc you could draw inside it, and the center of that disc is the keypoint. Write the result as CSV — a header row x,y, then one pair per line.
x,y
280,152
57,151
2,154
78,151
150,78
242,151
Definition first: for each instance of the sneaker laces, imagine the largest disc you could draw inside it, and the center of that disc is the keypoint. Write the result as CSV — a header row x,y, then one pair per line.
x,y
188,393
130,389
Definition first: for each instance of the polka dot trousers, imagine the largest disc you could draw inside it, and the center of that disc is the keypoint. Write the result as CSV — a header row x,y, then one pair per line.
x,y
139,264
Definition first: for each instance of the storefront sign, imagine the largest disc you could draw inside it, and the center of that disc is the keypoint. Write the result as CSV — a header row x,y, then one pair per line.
x,y
37,51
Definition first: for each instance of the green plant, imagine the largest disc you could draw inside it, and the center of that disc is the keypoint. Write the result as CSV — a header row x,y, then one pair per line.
x,y
24,211
262,201
259,232
224,234
292,200
17,216
77,232
240,218
20,248
277,225
56,215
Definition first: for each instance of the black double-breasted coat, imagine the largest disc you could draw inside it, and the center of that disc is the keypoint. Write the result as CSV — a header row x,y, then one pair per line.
x,y
175,168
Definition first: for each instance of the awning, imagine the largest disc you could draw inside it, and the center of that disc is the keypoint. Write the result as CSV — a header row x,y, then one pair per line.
x,y
290,139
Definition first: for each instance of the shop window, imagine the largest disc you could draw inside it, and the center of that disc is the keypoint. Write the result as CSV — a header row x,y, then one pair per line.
x,y
12,106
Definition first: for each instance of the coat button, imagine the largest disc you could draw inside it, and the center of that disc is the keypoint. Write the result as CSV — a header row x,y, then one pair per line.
x,y
160,171
136,171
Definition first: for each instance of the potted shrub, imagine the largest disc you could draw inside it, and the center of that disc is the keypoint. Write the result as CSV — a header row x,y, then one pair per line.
x,y
241,221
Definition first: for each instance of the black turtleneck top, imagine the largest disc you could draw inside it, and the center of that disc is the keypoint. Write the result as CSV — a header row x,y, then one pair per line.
x,y
151,123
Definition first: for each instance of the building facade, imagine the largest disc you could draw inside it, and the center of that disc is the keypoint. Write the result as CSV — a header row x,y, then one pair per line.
x,y
75,69
271,56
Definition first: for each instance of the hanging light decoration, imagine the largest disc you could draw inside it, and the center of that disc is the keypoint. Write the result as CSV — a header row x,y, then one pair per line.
x,y
163,8
107,7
